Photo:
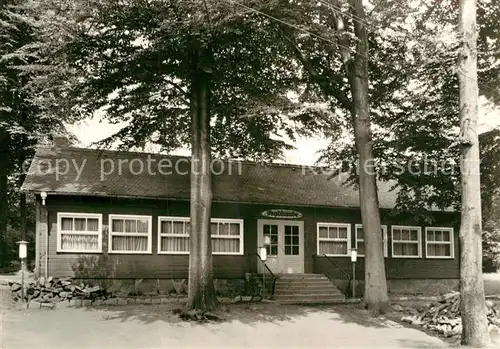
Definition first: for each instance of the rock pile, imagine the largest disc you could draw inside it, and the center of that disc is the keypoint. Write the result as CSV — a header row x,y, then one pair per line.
x,y
53,290
444,316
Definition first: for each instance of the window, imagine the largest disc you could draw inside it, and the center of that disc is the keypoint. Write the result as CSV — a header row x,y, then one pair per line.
x,y
406,242
292,240
334,239
439,242
173,237
227,236
79,232
271,230
130,234
360,240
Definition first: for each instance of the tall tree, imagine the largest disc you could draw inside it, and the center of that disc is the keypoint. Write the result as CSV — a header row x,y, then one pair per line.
x,y
472,303
375,295
337,72
28,59
201,290
190,73
489,143
415,100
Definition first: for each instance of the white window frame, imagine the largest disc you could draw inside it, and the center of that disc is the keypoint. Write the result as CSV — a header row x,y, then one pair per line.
x,y
61,215
160,234
451,243
126,216
419,242
232,221
384,236
212,220
336,225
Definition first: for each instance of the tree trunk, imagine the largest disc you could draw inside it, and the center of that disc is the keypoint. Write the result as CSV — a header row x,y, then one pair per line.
x,y
201,290
472,303
375,295
4,165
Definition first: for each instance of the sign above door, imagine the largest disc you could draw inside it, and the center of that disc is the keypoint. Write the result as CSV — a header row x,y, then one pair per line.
x,y
281,213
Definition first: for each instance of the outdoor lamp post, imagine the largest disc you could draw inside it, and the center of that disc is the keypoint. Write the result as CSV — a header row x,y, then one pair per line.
x,y
23,253
263,257
354,257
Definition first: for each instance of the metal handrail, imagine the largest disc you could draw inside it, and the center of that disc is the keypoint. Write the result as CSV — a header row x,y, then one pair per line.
x,y
270,272
335,265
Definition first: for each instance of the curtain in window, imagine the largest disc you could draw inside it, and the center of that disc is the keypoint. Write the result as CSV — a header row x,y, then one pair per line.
x,y
405,249
224,229
80,224
225,245
129,243
333,247
130,226
361,247
234,229
178,228
79,242
92,224
67,224
175,244
439,250
117,225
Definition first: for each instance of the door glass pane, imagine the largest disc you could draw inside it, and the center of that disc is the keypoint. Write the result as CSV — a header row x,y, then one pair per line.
x,y
291,240
273,251
274,239
271,230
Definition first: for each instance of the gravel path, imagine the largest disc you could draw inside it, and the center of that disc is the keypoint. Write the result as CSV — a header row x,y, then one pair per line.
x,y
248,326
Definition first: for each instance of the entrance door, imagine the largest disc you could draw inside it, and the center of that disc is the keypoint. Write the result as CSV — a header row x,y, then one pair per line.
x,y
285,253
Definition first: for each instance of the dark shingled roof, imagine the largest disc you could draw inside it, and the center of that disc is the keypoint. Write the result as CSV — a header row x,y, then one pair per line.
x,y
239,181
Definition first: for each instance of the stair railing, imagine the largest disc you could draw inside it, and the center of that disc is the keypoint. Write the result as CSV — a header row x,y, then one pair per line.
x,y
336,266
273,287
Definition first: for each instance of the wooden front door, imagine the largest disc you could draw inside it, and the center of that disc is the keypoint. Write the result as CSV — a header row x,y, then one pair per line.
x,y
285,253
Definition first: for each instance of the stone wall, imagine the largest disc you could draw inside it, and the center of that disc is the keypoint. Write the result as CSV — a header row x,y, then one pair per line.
x,y
148,287
422,287
425,287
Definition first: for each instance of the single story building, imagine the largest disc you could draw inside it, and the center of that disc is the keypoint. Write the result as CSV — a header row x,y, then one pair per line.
x,y
125,216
